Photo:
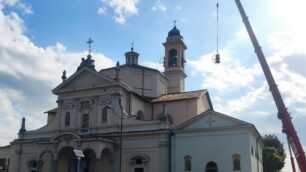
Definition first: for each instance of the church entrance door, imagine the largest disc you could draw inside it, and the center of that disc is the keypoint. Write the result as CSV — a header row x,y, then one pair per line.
x,y
105,163
88,162
67,161
211,167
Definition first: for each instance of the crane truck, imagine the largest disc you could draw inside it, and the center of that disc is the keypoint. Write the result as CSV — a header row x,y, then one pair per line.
x,y
283,114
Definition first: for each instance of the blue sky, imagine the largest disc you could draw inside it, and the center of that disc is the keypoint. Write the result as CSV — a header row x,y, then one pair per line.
x,y
40,39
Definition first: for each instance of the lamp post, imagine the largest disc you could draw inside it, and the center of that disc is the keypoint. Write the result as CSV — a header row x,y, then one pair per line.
x,y
79,154
120,115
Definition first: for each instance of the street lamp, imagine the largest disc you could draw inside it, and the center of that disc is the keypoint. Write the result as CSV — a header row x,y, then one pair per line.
x,y
79,154
120,115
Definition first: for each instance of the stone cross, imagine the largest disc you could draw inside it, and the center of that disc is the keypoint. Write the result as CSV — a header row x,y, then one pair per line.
x,y
89,42
210,121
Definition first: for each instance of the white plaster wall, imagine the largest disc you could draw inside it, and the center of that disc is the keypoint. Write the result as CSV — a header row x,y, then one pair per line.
x,y
180,110
139,105
162,86
256,158
153,81
203,104
152,145
211,146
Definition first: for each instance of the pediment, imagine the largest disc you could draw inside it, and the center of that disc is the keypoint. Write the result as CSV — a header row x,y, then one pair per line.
x,y
82,79
66,136
212,119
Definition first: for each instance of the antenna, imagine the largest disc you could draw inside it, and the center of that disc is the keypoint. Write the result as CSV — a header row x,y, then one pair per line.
x,y
216,57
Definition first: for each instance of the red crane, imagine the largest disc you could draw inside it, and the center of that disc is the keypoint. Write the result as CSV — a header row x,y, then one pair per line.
x,y
283,114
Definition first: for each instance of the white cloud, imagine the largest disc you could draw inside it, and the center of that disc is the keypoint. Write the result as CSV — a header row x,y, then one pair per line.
x,y
28,73
245,102
291,14
20,57
8,115
159,6
27,9
122,8
179,7
229,73
102,10
260,113
154,65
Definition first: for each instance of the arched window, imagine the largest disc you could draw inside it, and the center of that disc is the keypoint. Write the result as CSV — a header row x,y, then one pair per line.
x,y
211,167
104,114
140,115
187,163
172,58
236,162
67,119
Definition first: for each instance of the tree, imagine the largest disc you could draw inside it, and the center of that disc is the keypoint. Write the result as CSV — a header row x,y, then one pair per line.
x,y
273,154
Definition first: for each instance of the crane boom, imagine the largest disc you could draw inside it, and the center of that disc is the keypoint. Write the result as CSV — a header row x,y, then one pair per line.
x,y
283,114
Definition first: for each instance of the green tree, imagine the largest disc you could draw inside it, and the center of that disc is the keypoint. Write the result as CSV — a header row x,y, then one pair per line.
x,y
273,154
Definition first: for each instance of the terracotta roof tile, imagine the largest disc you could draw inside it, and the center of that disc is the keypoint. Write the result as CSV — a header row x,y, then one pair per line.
x,y
179,96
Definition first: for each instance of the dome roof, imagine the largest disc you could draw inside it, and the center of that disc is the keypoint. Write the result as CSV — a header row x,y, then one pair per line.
x,y
174,32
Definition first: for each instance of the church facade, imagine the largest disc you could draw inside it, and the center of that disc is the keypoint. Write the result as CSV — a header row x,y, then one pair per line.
x,y
132,118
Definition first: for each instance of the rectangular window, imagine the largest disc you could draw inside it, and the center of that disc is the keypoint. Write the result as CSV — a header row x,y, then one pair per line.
x,y
104,115
138,161
67,119
139,170
2,164
85,123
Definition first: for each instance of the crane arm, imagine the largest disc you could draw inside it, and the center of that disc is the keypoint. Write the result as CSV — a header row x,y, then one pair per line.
x,y
283,114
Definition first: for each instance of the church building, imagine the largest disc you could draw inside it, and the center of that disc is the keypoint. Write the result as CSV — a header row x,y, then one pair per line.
x,y
132,118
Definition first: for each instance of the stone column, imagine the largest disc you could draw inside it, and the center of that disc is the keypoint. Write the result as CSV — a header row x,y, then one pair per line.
x,y
97,165
54,166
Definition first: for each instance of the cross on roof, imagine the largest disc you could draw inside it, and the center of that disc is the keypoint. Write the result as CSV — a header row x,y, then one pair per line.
x,y
132,46
89,42
174,21
210,121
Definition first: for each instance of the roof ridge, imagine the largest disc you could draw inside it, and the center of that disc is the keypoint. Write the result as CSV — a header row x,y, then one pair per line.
x,y
179,96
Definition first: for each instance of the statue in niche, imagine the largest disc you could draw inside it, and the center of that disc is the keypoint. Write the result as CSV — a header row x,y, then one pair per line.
x,y
85,106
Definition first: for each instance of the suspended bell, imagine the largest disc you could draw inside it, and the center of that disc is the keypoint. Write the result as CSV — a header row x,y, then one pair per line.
x,y
216,58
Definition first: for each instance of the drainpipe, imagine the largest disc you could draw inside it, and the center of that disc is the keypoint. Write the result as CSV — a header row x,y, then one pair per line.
x,y
130,104
170,134
152,111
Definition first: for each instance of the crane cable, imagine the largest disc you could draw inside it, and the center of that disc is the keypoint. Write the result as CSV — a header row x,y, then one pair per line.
x,y
217,27
216,57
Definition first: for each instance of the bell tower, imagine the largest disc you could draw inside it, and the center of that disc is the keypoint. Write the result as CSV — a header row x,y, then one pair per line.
x,y
174,61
